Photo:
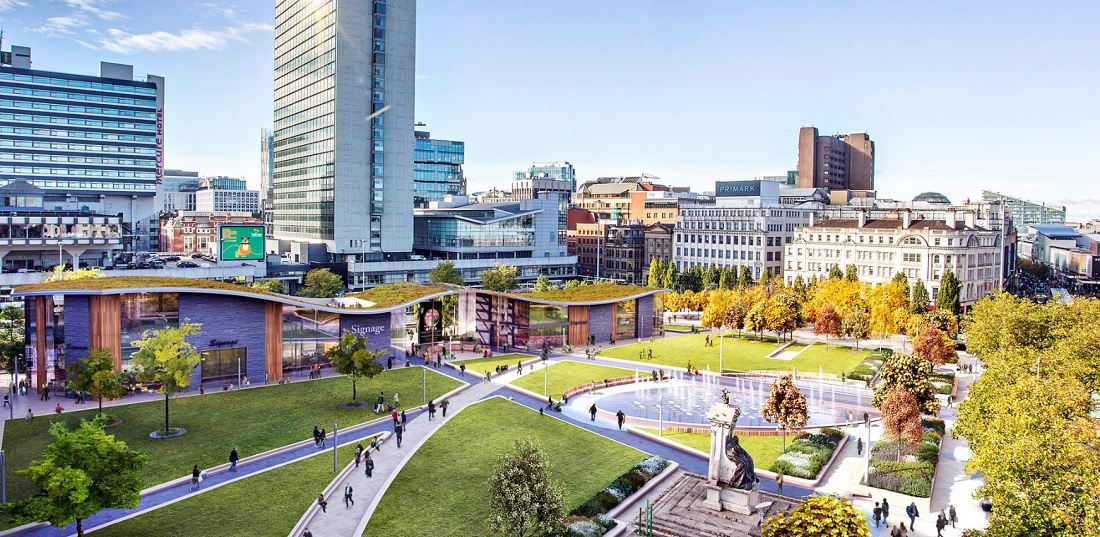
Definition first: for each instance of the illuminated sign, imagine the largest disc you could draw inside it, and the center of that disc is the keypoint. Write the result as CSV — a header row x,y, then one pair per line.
x,y
241,243
160,144
726,189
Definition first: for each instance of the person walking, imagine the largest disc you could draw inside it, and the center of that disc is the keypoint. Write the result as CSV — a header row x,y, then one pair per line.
x,y
912,512
462,369
876,514
549,401
885,509
358,457
941,523
348,500
316,436
443,405
592,411
779,481
379,403
431,410
396,400
321,501
859,446
368,463
307,533
233,458
621,418
952,515
404,421
397,431
848,418
396,417
324,437
196,478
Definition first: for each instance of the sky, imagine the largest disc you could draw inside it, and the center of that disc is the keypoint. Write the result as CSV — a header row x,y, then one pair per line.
x,y
958,96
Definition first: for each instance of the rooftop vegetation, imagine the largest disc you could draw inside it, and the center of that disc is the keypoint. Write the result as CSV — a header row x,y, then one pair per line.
x,y
138,282
395,294
589,293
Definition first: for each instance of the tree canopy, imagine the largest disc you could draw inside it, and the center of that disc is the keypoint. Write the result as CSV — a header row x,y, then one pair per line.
x,y
819,516
786,406
913,375
322,283
13,344
271,286
856,326
445,272
500,278
351,358
96,375
166,357
947,299
828,323
524,498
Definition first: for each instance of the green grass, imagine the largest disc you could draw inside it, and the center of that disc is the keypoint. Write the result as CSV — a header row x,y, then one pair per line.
x,y
478,366
141,282
443,490
565,375
253,420
395,294
271,503
589,293
743,354
764,449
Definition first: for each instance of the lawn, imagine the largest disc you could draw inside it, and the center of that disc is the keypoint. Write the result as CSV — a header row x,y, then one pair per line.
x,y
443,490
265,504
565,375
764,449
254,420
478,366
743,354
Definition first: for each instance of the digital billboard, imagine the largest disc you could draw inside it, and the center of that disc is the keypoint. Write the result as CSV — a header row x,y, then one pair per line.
x,y
241,243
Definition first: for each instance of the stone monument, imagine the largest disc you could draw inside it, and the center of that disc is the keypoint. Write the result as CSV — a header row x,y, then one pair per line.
x,y
731,477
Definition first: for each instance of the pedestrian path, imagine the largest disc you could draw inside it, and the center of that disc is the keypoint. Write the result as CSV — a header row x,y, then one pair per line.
x,y
388,462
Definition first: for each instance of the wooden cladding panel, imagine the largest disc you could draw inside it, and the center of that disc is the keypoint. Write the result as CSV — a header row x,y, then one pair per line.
x,y
578,325
273,325
105,332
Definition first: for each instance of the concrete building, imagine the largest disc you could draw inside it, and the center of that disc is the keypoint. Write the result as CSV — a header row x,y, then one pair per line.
x,y
587,242
839,162
213,200
92,144
344,142
624,253
658,245
921,245
745,227
177,192
559,171
610,197
267,177
1029,213
437,169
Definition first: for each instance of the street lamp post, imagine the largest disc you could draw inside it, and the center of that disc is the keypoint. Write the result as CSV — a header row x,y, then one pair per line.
x,y
238,373
867,448
334,444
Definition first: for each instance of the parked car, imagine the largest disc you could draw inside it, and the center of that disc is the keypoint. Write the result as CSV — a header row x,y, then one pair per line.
x,y
157,264
145,265
187,264
172,258
196,255
205,265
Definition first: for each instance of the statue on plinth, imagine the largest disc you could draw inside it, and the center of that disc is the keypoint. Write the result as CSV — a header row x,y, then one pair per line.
x,y
744,473
731,477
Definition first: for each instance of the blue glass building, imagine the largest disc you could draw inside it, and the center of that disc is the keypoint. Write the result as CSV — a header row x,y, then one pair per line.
x,y
437,169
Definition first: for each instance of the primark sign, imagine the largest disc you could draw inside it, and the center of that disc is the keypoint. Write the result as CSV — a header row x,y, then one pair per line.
x,y
728,189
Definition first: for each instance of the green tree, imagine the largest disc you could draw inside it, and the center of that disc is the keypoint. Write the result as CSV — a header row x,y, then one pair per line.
x,y
524,498
851,273
919,302
727,278
59,273
901,419
95,374
672,276
745,279
13,345
828,323
948,297
166,357
542,284
912,374
766,278
835,273
755,321
351,357
819,516
500,278
445,272
786,406
856,325
322,283
654,273
271,286
571,284
80,473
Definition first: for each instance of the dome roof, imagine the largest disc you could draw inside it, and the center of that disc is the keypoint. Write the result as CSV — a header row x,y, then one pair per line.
x,y
933,197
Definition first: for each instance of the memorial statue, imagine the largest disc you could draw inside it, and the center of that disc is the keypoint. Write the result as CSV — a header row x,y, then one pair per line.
x,y
744,472
725,396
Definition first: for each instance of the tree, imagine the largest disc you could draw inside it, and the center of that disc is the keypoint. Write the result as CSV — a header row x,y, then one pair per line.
x,y
735,315
819,516
755,320
780,316
523,496
322,283
351,357
166,357
572,284
542,284
445,272
948,297
901,418
96,375
13,345
919,301
500,278
271,286
714,314
835,273
930,345
786,406
911,373
828,323
943,321
851,273
59,273
745,279
80,473
654,273
856,326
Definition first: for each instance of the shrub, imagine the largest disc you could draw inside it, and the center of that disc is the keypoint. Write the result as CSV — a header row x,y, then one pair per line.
x,y
834,434
652,466
942,387
934,424
635,479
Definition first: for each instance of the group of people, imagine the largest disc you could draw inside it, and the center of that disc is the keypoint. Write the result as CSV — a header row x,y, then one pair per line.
x,y
320,437
882,511
315,371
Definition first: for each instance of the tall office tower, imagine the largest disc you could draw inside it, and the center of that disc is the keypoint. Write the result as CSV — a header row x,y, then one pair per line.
x,y
437,169
344,92
91,143
267,169
560,170
840,161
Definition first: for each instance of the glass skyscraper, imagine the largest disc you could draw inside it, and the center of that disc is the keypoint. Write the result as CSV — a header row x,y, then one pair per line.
x,y
437,169
344,91
560,170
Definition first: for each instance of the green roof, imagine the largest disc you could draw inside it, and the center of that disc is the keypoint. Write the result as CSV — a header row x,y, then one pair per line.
x,y
395,294
590,293
138,282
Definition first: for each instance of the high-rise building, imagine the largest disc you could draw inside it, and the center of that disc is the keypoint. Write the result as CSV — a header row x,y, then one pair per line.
x,y
561,170
344,103
92,144
437,169
839,162
1027,213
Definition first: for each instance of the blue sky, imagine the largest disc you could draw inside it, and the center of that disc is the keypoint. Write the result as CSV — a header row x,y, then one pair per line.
x,y
958,96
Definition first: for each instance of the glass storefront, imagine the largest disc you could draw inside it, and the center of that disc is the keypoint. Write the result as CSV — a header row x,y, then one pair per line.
x,y
307,335
224,364
624,319
142,312
549,324
55,338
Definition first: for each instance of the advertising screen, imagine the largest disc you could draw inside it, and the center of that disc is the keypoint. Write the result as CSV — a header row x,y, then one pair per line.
x,y
241,243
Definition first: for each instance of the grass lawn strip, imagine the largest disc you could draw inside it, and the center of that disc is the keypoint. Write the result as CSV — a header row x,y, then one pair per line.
x,y
588,293
742,354
443,489
568,374
764,449
269,503
253,420
478,366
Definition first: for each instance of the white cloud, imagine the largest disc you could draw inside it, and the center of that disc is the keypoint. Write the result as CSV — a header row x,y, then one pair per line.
x,y
123,42
6,5
60,26
91,7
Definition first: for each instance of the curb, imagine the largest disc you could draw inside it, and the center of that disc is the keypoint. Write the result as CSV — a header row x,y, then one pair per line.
x,y
329,490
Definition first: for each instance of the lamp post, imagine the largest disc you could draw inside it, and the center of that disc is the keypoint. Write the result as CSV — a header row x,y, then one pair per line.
x,y
721,338
334,444
867,448
238,373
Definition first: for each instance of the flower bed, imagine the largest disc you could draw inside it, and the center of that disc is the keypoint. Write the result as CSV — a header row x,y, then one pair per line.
x,y
805,456
590,518
869,367
897,467
943,382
